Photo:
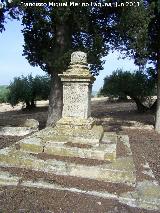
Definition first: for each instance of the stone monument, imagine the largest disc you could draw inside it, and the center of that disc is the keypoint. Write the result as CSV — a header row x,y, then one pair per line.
x,y
76,124
74,135
77,135
77,87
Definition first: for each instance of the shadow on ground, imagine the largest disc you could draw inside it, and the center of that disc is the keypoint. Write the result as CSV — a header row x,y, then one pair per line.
x,y
118,114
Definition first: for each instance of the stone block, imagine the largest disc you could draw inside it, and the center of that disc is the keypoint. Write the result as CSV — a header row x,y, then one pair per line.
x,y
7,179
75,123
15,158
146,196
32,123
31,144
125,140
104,173
109,138
16,131
106,152
80,135
29,126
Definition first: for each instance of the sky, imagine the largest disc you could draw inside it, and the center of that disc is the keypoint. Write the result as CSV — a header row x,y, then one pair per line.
x,y
13,64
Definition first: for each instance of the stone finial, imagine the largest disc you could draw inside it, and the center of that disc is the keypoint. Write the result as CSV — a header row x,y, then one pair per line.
x,y
78,57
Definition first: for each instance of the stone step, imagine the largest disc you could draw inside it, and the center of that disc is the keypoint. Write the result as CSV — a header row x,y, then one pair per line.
x,y
109,137
15,176
84,136
120,171
50,143
105,152
146,194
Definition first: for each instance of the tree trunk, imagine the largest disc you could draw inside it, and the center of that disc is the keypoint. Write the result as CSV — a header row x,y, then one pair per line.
x,y
27,104
153,107
63,43
55,100
157,120
33,105
30,105
140,106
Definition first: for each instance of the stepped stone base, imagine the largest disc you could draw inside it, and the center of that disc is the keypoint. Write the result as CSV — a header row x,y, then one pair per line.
x,y
114,169
111,169
121,171
105,151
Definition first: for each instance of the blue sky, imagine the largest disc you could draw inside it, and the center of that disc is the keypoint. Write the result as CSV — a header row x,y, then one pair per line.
x,y
13,64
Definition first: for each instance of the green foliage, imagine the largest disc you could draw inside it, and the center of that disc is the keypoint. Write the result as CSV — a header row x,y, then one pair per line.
x,y
137,32
41,87
51,34
137,85
28,90
3,94
132,32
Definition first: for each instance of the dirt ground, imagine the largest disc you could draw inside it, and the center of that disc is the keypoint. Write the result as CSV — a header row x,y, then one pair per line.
x,y
118,117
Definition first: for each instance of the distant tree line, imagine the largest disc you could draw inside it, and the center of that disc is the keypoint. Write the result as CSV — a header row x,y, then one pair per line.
x,y
3,93
26,90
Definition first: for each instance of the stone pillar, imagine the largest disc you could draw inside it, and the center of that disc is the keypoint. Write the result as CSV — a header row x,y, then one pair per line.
x,y
77,87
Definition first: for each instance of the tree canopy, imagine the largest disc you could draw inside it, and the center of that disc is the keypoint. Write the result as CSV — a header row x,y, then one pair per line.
x,y
139,86
52,34
47,45
28,90
138,34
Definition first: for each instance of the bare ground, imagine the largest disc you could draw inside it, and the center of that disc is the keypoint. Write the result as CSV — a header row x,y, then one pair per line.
x,y
145,145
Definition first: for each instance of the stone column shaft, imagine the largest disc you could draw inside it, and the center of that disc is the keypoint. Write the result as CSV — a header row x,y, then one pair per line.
x,y
77,88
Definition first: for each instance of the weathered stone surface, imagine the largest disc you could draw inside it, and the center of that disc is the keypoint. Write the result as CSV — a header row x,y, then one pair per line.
x,y
76,135
76,105
78,58
31,145
109,138
121,171
7,179
146,195
77,86
11,157
16,131
32,123
75,123
29,126
125,140
107,153
53,142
